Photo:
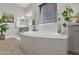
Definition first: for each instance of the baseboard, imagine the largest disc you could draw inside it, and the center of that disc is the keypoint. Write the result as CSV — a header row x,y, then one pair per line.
x,y
73,53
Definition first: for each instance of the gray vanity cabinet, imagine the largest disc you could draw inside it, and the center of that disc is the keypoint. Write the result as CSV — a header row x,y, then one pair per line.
x,y
73,39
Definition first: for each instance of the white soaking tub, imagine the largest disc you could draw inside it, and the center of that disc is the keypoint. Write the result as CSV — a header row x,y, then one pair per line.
x,y
44,43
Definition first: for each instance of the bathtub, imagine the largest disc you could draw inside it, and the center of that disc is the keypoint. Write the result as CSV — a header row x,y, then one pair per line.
x,y
43,43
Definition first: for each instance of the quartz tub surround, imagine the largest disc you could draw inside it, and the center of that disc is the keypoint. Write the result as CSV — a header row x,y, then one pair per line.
x,y
44,43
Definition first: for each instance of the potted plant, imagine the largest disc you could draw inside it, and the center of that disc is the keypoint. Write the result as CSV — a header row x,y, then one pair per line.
x,y
3,26
67,15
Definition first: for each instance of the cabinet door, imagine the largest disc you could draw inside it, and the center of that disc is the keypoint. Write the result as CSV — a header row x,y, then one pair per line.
x,y
70,41
76,41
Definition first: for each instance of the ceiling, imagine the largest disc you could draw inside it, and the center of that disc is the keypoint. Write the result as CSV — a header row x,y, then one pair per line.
x,y
23,4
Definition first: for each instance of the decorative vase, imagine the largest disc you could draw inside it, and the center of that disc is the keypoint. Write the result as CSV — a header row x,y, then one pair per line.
x,y
59,28
65,30
34,28
59,25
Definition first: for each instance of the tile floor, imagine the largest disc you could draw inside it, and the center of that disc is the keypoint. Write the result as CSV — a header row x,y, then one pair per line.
x,y
10,46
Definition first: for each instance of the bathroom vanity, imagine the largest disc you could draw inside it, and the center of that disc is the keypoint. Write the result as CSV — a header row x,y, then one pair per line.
x,y
73,38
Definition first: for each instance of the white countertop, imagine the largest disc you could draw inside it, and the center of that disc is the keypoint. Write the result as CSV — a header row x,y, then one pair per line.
x,y
74,24
43,34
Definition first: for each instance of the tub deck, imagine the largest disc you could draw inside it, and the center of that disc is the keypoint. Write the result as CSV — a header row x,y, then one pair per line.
x,y
43,34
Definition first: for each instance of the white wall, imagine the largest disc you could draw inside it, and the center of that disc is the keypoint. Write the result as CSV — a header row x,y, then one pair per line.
x,y
14,9
34,7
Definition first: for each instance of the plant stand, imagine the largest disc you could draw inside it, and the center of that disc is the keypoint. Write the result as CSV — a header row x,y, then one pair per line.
x,y
2,37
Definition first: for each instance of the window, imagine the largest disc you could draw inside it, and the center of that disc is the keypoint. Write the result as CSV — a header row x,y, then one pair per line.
x,y
48,12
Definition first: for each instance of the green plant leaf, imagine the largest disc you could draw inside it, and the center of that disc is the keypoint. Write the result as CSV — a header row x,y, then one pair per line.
x,y
71,10
0,17
67,18
67,13
64,13
3,24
